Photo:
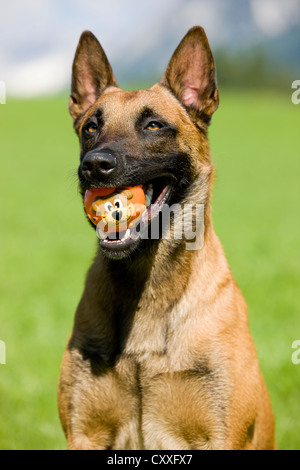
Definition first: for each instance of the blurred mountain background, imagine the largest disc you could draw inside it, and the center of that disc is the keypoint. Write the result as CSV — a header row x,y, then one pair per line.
x,y
256,43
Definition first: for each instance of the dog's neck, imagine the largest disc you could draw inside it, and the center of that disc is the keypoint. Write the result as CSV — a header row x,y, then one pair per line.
x,y
123,297
148,289
160,271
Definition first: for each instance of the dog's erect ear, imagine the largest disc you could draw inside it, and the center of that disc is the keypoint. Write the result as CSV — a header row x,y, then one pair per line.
x,y
191,75
91,74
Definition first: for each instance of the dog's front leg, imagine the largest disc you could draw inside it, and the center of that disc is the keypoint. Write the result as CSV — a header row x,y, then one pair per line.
x,y
98,409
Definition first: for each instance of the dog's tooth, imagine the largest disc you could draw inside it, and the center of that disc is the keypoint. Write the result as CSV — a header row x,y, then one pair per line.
x,y
149,195
149,189
147,200
127,234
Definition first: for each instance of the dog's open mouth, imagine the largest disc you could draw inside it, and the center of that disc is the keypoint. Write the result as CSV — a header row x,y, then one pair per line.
x,y
157,193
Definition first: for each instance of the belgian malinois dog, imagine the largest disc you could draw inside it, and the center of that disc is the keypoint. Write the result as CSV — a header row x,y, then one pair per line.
x,y
160,356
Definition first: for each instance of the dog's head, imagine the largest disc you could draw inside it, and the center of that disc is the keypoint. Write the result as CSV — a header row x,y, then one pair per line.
x,y
156,138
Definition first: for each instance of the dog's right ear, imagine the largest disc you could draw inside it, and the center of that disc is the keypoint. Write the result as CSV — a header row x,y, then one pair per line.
x,y
91,74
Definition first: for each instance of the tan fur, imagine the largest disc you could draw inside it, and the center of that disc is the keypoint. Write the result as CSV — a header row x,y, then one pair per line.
x,y
174,365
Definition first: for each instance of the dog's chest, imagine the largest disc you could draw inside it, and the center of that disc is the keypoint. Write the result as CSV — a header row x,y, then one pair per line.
x,y
166,409
172,399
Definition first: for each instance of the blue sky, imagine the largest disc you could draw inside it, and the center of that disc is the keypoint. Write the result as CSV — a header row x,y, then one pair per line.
x,y
38,37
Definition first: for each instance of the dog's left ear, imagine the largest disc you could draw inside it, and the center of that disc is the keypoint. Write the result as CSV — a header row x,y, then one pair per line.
x,y
191,75
91,74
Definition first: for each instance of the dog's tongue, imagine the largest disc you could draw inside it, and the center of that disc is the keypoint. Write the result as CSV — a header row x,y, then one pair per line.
x,y
100,192
100,203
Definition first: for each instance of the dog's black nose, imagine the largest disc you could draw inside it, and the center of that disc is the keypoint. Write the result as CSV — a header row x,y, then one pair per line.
x,y
97,166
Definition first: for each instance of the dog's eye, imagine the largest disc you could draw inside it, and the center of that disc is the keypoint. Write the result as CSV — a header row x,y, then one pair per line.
x,y
108,206
118,204
91,128
153,126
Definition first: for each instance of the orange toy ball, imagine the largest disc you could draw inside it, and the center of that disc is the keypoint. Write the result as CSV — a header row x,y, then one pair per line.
x,y
113,209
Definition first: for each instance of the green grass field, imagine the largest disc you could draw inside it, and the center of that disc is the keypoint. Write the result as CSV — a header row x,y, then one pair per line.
x,y
46,247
